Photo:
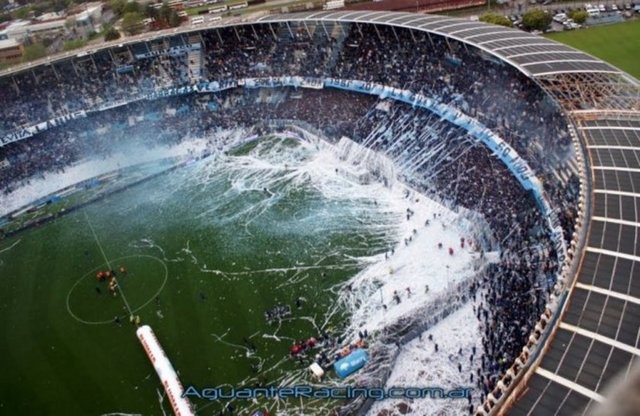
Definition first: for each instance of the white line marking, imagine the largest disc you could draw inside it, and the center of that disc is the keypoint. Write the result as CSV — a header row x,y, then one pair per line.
x,y
108,264
570,384
11,246
104,256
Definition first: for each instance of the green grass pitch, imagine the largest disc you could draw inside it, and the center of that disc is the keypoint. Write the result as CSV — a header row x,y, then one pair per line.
x,y
203,263
618,44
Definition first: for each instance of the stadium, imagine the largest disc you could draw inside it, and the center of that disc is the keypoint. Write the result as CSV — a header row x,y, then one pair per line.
x,y
451,201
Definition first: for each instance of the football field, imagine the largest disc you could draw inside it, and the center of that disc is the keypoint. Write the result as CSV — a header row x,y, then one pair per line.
x,y
617,44
204,250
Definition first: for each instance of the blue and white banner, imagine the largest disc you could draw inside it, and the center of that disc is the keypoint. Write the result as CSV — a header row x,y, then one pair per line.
x,y
29,131
173,51
201,87
124,69
275,82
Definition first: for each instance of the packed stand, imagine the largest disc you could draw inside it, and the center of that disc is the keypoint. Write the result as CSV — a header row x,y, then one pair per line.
x,y
456,170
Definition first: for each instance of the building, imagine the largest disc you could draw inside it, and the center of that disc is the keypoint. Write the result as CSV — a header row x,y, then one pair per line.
x,y
88,20
11,51
17,29
50,29
84,20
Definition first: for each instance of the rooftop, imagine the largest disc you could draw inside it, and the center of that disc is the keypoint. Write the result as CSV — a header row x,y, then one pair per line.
x,y
8,43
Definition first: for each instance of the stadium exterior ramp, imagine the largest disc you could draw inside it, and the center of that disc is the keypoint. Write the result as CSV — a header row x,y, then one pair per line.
x,y
589,333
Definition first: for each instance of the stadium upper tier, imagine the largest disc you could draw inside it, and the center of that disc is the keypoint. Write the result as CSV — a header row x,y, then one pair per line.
x,y
533,55
536,93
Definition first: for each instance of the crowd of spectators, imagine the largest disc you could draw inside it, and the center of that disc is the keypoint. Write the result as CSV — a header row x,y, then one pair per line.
x,y
515,290
501,97
433,155
168,121
498,95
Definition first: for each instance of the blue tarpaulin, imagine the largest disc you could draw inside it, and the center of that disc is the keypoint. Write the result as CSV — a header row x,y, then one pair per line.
x,y
351,363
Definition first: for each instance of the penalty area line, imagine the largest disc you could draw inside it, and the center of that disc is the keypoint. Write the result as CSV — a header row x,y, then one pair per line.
x,y
95,236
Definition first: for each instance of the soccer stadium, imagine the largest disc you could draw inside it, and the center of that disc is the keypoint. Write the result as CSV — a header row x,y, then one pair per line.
x,y
338,204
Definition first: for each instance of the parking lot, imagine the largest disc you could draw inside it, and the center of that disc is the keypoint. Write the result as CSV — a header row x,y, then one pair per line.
x,y
599,13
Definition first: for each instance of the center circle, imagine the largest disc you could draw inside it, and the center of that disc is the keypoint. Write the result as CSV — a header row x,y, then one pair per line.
x,y
90,301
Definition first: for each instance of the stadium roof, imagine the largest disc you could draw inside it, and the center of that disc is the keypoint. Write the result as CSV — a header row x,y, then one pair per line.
x,y
531,54
598,336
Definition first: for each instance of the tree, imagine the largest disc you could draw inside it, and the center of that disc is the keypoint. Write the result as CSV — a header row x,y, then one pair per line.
x,y
70,22
46,42
165,12
22,13
132,23
74,44
59,5
150,11
33,52
579,16
111,34
118,6
536,19
174,19
496,19
132,7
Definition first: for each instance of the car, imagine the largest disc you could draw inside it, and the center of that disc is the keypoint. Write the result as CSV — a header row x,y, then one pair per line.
x,y
569,24
593,12
614,8
602,8
560,18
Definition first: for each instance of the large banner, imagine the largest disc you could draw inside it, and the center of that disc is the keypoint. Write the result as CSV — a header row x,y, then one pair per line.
x,y
201,87
275,82
173,51
29,131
